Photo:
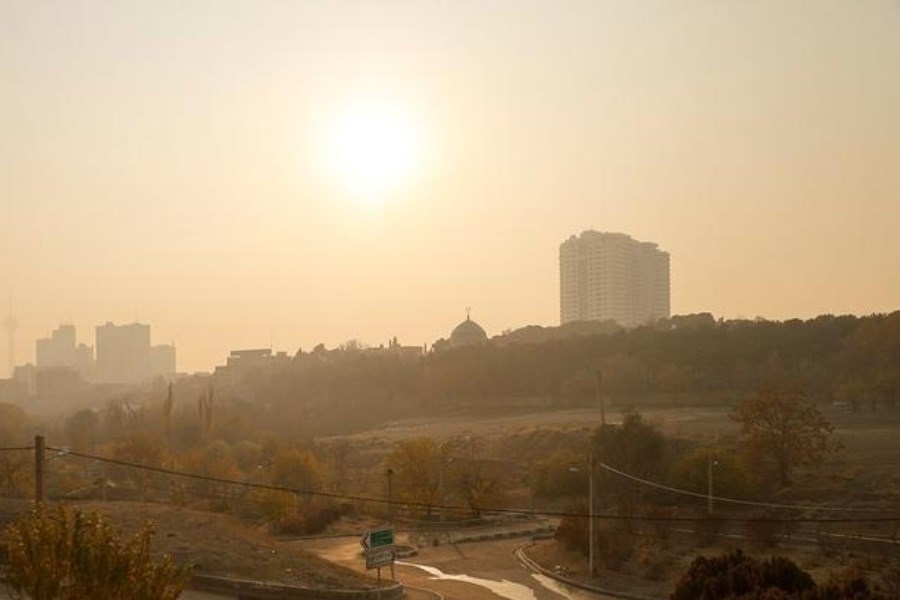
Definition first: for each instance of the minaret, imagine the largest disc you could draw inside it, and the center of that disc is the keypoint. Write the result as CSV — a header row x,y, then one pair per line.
x,y
11,325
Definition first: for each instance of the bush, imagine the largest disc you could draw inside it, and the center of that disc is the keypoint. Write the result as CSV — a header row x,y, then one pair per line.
x,y
562,473
734,576
572,532
71,555
287,513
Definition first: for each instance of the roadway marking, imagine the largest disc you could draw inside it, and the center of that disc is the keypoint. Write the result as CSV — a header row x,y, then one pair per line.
x,y
504,588
554,586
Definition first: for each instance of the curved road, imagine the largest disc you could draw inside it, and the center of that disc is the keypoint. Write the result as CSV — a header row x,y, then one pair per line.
x,y
470,571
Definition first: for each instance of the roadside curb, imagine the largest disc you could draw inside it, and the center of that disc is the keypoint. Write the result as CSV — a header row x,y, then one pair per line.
x,y
246,589
505,535
435,595
531,564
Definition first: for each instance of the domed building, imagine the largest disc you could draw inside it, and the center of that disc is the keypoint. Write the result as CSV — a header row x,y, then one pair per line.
x,y
467,333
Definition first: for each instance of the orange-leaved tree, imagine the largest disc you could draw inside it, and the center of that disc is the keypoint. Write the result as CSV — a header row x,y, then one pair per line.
x,y
785,426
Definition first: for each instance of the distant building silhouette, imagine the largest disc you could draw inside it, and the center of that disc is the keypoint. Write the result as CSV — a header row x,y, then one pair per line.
x,y
60,350
252,362
162,360
125,356
395,348
610,276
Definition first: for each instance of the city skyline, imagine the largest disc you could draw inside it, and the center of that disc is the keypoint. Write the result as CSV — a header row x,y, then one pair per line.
x,y
207,168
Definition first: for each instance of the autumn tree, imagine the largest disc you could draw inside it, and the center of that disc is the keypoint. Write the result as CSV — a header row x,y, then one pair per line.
x,y
82,430
70,555
635,447
297,469
15,465
786,427
731,476
139,449
416,463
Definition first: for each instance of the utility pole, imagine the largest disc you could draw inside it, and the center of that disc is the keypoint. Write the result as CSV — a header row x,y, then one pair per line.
x,y
390,493
591,463
441,483
38,469
709,483
599,392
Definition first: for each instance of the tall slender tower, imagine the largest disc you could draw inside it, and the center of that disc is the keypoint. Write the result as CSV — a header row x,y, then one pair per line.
x,y
11,325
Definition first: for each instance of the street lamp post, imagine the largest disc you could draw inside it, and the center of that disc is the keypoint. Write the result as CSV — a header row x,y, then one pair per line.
x,y
591,464
710,463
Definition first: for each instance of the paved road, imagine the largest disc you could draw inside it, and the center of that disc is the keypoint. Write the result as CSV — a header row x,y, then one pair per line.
x,y
471,571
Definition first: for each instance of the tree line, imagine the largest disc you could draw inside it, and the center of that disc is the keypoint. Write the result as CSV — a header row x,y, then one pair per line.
x,y
692,360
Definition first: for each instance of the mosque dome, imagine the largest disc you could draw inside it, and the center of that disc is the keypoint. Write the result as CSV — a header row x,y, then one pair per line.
x,y
467,333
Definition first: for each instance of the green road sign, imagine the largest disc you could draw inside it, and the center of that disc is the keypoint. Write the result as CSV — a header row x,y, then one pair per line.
x,y
377,538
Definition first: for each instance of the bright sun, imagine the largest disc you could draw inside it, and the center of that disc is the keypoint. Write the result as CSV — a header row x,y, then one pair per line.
x,y
372,151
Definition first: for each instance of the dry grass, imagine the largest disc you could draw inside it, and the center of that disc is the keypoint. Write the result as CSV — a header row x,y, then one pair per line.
x,y
217,544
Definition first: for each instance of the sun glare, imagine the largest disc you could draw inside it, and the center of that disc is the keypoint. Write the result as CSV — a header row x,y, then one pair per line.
x,y
373,151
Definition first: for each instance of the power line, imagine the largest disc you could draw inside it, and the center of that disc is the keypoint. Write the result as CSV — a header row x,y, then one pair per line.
x,y
675,490
509,511
16,449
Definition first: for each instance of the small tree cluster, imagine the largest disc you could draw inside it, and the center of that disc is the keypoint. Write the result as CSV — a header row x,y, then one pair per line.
x,y
736,576
71,555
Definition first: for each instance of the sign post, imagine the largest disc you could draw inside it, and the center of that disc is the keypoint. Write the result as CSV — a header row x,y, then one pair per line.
x,y
379,547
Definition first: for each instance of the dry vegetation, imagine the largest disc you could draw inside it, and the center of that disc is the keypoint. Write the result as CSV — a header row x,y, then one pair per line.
x,y
215,544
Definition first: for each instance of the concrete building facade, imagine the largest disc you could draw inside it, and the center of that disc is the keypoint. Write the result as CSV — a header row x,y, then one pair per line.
x,y
610,276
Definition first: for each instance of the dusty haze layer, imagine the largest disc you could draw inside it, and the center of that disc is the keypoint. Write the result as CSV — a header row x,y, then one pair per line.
x,y
164,160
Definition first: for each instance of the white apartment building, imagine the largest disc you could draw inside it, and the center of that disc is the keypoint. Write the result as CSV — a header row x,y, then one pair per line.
x,y
606,275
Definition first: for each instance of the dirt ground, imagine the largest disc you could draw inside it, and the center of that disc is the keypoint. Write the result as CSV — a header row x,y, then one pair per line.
x,y
864,473
216,544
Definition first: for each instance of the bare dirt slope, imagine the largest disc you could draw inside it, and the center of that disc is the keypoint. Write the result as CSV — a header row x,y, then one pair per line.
x,y
216,544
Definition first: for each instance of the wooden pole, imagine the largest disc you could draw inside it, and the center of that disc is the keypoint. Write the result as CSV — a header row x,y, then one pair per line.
x,y
591,463
599,391
38,469
390,492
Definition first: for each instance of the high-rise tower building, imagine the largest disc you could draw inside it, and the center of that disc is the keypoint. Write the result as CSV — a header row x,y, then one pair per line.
x,y
123,353
612,276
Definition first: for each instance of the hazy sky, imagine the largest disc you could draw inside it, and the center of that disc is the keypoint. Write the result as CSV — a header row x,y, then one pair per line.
x,y
166,160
